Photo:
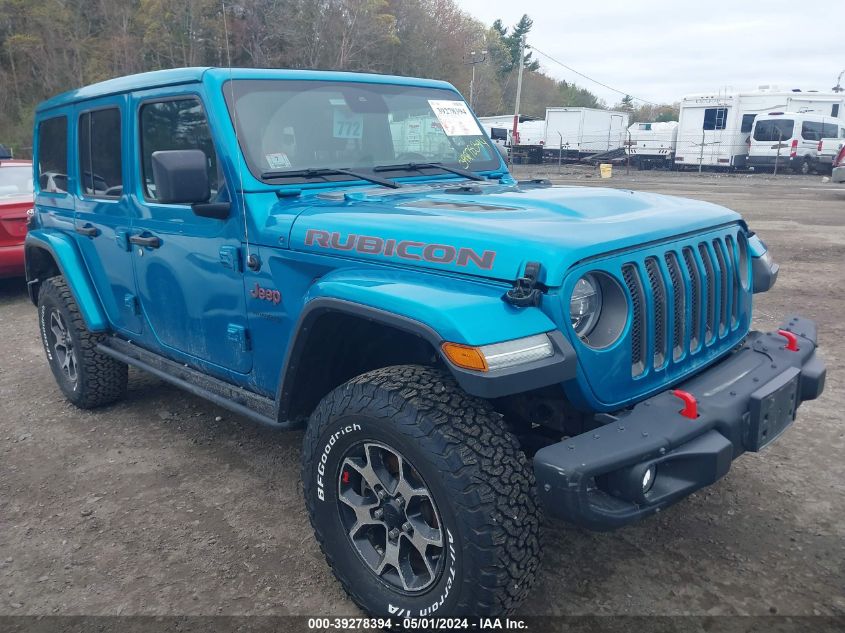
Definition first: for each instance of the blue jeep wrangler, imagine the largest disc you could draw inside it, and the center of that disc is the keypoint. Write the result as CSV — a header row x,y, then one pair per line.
x,y
348,253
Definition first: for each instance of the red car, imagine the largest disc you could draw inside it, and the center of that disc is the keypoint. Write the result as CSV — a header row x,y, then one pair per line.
x,y
15,200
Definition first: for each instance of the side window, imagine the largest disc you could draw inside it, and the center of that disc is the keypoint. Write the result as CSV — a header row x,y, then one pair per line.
x,y
747,123
811,131
829,130
715,118
175,124
834,110
52,155
100,165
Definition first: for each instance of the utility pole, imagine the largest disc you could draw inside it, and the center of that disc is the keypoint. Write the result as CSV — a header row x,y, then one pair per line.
x,y
475,57
838,87
515,140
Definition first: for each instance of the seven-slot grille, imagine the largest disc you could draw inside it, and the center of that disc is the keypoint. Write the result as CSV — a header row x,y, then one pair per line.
x,y
684,299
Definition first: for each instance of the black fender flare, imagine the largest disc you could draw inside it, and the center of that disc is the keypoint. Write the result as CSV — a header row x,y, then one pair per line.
x,y
558,368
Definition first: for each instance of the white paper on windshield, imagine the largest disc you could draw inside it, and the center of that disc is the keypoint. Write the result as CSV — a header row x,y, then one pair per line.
x,y
278,160
455,118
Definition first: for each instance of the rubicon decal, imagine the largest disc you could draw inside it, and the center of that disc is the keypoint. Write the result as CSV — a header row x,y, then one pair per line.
x,y
402,249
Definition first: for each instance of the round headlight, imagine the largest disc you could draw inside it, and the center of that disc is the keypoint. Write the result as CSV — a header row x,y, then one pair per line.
x,y
585,305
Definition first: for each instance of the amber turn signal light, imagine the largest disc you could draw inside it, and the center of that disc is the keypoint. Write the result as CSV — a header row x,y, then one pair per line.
x,y
465,356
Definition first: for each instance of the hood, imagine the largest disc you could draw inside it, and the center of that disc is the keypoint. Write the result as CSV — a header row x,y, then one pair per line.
x,y
489,230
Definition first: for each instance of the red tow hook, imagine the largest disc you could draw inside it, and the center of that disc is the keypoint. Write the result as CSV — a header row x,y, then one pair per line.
x,y
791,340
690,409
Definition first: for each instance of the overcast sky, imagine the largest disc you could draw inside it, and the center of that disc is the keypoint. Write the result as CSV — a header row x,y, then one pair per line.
x,y
660,50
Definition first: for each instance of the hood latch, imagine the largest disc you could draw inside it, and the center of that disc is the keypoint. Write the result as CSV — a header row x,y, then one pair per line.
x,y
525,292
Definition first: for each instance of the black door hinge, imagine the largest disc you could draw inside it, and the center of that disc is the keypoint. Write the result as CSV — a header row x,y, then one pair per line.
x,y
526,290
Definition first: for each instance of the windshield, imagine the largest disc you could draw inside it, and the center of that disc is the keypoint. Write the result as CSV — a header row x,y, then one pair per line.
x,y
286,125
15,180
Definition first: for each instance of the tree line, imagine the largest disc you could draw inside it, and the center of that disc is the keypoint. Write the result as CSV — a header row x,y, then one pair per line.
x,y
49,46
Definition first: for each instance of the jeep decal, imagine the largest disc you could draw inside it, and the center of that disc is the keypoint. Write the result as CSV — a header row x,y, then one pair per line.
x,y
403,249
266,294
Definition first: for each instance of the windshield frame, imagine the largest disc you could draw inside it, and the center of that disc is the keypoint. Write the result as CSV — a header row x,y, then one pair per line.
x,y
493,165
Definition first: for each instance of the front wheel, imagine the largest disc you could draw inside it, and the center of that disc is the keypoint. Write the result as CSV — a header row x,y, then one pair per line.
x,y
421,499
86,376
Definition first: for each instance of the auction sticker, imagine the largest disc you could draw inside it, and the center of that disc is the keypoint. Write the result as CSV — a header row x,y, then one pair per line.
x,y
455,118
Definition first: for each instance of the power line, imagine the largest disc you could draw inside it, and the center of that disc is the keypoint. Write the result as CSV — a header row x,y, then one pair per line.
x,y
595,81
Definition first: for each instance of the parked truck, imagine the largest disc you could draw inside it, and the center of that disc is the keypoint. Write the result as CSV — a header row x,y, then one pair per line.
x,y
460,348
530,141
580,132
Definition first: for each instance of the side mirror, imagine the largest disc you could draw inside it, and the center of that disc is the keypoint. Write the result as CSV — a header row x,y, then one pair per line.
x,y
181,177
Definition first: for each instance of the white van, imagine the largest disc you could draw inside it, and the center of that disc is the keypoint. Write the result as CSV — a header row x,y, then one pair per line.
x,y
791,139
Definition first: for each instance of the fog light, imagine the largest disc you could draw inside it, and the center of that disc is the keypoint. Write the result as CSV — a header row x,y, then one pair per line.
x,y
648,478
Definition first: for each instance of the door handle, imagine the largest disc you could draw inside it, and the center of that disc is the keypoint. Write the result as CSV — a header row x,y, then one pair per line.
x,y
149,241
88,229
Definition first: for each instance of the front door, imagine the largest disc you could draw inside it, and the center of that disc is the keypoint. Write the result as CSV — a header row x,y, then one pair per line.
x,y
188,268
102,219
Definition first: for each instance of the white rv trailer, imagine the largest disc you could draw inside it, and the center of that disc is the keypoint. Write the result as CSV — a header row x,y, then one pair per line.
x,y
581,132
714,129
652,144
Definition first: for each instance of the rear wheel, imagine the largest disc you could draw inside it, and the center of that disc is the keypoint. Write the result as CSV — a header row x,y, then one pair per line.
x,y
87,377
803,167
420,498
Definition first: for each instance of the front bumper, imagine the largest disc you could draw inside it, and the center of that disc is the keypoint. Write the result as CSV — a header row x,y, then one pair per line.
x,y
838,174
594,479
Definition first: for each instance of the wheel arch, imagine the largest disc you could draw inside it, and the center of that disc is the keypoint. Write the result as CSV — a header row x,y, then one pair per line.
x,y
338,338
47,254
336,331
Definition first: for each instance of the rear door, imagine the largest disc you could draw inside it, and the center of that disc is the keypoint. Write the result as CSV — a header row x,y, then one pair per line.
x,y
772,137
189,269
809,135
715,140
102,220
52,150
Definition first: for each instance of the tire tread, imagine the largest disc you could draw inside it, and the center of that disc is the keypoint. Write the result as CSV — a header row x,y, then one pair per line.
x,y
489,476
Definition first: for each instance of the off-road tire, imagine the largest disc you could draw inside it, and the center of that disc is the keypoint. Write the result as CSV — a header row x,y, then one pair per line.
x,y
100,379
480,480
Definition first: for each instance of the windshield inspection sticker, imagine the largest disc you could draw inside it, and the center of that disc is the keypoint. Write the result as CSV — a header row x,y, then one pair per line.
x,y
455,118
347,124
278,160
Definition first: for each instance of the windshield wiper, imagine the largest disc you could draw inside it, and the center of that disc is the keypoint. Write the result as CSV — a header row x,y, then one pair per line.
x,y
318,172
417,166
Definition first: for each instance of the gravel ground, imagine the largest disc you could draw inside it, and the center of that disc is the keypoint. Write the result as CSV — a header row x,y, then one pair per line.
x,y
164,504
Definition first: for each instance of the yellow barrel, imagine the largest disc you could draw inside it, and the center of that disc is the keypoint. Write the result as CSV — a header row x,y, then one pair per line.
x,y
606,170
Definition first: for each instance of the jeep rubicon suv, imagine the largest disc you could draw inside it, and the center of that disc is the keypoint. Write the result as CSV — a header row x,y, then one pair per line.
x,y
349,253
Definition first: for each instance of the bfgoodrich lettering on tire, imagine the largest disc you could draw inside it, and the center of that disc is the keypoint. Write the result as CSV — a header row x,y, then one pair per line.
x,y
420,498
86,377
